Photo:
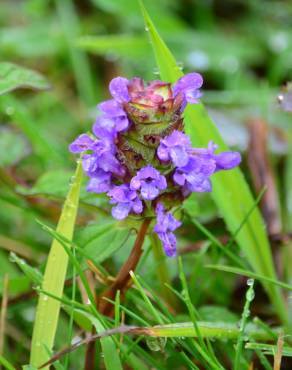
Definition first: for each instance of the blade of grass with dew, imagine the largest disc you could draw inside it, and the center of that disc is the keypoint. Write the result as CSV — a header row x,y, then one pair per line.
x,y
111,357
269,349
245,314
48,309
230,190
250,274
214,330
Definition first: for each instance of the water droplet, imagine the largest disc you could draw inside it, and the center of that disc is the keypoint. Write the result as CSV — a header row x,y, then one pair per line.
x,y
250,282
147,29
156,71
45,298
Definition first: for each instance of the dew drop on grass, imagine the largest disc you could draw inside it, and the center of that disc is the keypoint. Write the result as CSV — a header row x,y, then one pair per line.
x,y
147,29
250,282
156,71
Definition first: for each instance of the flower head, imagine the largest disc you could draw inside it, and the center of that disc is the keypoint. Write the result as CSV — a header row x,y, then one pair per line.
x,y
164,228
149,181
126,199
140,156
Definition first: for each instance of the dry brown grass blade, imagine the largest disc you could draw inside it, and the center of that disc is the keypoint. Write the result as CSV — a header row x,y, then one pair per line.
x,y
278,354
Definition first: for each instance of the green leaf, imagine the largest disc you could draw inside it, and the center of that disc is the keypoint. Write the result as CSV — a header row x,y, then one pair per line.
x,y
100,241
230,190
14,77
53,282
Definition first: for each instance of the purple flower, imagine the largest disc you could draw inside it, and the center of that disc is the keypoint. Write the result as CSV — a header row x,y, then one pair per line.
x,y
100,183
103,157
118,88
113,120
189,85
149,181
82,143
127,201
194,176
164,228
175,147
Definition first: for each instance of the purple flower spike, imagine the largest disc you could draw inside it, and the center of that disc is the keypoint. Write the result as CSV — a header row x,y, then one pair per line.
x,y
164,228
82,143
119,89
149,181
188,85
126,199
100,183
175,147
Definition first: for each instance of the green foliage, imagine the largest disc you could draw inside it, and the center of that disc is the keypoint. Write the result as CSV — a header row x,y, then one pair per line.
x,y
14,77
244,52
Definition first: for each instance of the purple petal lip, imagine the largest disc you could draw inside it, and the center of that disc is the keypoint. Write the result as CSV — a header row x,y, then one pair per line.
x,y
149,181
81,144
119,89
127,201
188,86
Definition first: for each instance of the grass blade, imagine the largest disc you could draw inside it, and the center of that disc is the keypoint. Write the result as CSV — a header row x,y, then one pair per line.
x,y
230,190
48,309
250,274
6,364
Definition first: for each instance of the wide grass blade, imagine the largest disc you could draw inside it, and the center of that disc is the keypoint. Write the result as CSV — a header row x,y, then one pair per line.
x,y
48,309
230,190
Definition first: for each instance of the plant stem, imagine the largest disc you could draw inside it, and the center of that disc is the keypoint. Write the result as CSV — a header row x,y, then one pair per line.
x,y
162,271
123,278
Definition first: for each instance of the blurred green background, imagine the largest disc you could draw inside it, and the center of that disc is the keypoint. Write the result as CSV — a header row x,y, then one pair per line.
x,y
243,49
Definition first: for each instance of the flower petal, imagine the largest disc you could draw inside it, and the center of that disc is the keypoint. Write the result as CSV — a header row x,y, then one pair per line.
x,y
149,192
121,210
82,143
119,89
